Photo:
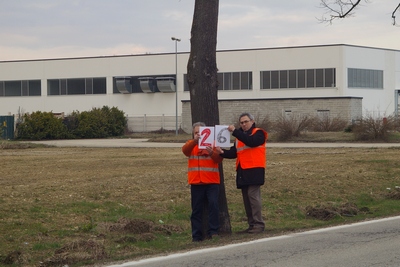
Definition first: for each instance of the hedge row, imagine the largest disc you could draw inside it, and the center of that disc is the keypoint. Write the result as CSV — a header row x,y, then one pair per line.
x,y
97,123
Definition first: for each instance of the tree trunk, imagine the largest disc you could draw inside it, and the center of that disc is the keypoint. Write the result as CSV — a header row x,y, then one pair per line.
x,y
203,82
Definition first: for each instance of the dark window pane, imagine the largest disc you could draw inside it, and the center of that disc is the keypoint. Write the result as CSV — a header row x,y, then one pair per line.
x,y
265,80
319,77
329,78
227,81
310,78
35,88
301,79
1,88
99,86
250,80
63,88
274,79
244,80
89,86
53,87
283,79
12,88
76,86
25,88
186,85
220,77
292,78
236,80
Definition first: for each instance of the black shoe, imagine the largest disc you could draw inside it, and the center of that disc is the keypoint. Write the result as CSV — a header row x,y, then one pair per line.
x,y
196,240
245,231
256,230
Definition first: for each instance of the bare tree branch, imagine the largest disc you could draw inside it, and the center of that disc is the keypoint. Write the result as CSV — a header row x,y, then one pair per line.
x,y
339,9
393,16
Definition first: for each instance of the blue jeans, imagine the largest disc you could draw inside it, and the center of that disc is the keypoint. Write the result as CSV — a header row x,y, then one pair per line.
x,y
202,194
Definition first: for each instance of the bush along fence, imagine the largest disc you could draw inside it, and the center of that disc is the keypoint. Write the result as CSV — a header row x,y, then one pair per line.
x,y
97,123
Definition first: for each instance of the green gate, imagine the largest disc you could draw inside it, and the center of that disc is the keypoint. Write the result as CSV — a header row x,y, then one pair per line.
x,y
7,127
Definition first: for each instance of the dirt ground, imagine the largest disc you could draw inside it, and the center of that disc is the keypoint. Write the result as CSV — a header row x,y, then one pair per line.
x,y
64,206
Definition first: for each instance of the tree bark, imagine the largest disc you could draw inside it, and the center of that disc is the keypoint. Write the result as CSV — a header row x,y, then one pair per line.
x,y
203,82
202,65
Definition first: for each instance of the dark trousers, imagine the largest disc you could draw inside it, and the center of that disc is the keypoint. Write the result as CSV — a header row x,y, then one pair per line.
x,y
202,194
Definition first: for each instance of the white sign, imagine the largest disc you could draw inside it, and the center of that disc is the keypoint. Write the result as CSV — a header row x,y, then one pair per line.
x,y
206,137
214,136
222,136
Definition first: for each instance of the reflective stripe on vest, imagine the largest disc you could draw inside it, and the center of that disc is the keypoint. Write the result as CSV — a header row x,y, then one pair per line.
x,y
202,169
246,147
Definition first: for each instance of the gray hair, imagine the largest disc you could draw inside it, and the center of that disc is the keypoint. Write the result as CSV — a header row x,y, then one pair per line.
x,y
199,123
251,117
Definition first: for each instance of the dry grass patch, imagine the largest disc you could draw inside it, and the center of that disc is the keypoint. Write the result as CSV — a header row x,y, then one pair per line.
x,y
77,206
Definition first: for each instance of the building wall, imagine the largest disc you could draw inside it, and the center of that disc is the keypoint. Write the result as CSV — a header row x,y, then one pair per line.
x,y
378,102
160,108
346,108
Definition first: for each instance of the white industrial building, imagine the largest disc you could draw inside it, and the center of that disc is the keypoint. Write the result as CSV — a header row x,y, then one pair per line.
x,y
312,79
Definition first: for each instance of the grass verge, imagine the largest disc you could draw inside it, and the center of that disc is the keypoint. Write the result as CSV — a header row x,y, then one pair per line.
x,y
87,206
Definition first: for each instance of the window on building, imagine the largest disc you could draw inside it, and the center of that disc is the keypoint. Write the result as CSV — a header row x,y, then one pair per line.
x,y
310,76
283,79
76,86
230,81
301,79
319,78
227,81
307,78
20,88
292,78
274,79
364,78
266,80
329,78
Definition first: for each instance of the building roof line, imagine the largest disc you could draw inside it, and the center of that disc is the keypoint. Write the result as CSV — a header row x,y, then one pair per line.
x,y
173,53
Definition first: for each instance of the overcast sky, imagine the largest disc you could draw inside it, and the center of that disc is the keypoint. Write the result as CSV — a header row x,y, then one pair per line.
x,y
37,29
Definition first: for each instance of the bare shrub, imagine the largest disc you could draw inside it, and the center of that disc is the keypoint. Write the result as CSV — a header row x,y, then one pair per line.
x,y
292,126
264,123
328,124
371,128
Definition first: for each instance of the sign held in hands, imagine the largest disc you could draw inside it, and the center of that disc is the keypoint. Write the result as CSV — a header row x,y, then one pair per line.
x,y
214,136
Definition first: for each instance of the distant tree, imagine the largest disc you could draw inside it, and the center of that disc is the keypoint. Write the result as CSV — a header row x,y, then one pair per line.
x,y
338,9
203,82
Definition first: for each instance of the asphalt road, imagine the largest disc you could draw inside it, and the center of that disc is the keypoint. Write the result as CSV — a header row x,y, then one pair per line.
x,y
365,244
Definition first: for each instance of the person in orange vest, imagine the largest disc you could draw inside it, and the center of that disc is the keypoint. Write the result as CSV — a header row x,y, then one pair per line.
x,y
250,153
204,180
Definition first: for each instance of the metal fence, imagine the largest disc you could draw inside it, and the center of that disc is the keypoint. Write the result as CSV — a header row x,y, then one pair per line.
x,y
151,123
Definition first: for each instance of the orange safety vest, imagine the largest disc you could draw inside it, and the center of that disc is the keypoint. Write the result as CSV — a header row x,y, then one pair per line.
x,y
201,168
251,157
